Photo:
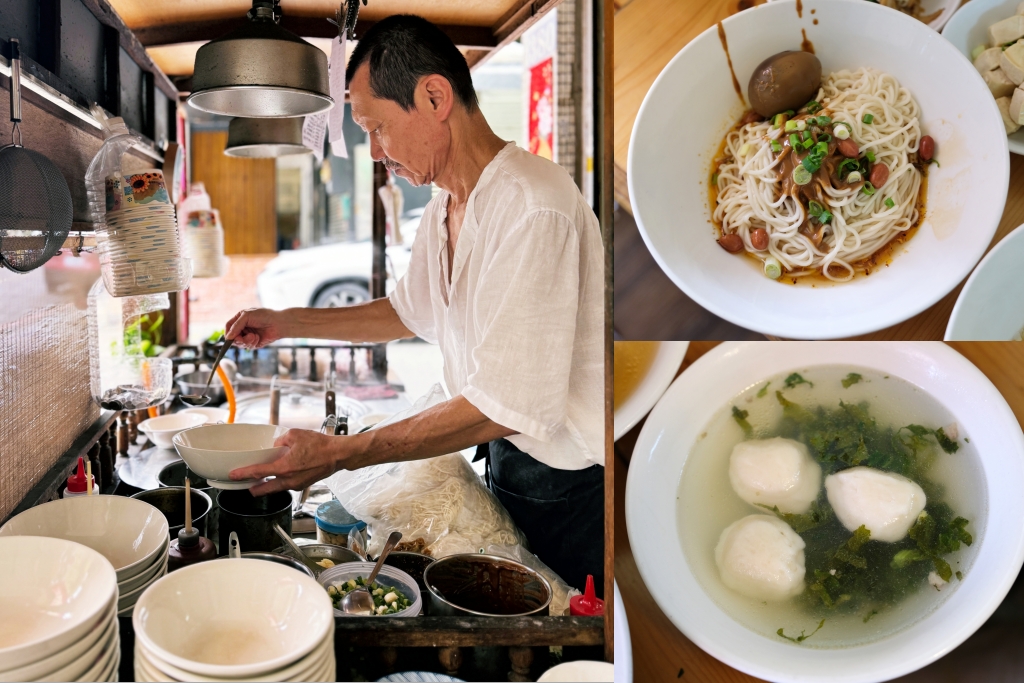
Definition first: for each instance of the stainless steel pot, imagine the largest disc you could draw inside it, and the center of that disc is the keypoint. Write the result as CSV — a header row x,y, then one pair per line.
x,y
170,500
485,586
252,518
323,551
279,559
413,564
174,475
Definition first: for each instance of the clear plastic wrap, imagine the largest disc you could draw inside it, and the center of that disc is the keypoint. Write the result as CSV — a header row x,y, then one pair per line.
x,y
438,503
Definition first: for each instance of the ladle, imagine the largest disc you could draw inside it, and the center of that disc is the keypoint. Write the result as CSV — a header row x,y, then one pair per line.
x,y
297,551
359,601
199,400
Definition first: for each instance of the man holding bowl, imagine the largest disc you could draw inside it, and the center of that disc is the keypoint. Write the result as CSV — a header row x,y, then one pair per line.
x,y
506,276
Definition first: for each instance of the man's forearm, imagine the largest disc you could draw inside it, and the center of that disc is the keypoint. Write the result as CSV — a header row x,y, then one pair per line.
x,y
374,321
445,428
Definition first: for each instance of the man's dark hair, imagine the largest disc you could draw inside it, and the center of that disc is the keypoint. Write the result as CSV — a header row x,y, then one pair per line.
x,y
403,48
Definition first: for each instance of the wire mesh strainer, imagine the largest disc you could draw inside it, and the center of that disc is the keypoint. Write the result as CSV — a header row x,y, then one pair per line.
x,y
35,202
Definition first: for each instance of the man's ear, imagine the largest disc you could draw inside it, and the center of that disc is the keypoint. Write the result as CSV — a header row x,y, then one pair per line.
x,y
437,96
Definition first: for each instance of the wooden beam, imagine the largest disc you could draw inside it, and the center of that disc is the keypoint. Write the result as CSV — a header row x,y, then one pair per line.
x,y
470,631
106,15
111,70
519,18
466,37
48,50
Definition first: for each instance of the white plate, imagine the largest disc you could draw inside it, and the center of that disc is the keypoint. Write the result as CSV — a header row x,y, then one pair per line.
x,y
623,645
692,105
969,28
655,382
674,425
991,304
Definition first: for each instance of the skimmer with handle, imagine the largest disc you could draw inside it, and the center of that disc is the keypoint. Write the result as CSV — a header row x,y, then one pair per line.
x,y
35,202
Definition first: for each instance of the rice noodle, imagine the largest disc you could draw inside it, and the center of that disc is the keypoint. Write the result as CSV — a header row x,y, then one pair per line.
x,y
749,190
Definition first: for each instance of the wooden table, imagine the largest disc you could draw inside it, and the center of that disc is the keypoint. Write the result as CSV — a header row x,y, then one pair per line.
x,y
662,653
648,33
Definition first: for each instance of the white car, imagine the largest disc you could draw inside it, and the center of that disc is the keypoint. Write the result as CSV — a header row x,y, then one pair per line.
x,y
331,275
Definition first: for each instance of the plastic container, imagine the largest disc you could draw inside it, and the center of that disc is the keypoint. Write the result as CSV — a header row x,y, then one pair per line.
x,y
78,482
588,604
388,576
337,526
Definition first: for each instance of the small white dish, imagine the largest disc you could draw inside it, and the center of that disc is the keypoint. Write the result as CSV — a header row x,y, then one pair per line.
x,y
675,424
991,304
129,533
623,644
661,373
969,28
674,142
579,671
52,593
213,415
162,429
233,619
212,451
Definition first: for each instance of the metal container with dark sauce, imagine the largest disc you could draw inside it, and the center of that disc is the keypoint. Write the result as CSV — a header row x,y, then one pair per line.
x,y
485,585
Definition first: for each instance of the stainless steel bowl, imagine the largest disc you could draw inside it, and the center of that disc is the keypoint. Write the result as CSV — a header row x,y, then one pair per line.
x,y
194,383
170,500
323,551
279,559
485,586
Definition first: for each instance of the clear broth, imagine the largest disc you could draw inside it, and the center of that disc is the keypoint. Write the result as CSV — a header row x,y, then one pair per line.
x,y
708,504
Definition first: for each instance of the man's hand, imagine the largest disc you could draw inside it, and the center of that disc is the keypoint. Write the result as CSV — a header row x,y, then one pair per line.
x,y
255,327
309,458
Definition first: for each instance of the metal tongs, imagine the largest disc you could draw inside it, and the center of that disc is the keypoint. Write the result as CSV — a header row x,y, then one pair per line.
x,y
346,17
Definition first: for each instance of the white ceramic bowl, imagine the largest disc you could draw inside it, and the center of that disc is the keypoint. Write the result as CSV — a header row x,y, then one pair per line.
x,y
146,576
969,28
212,451
45,667
692,105
52,592
947,7
623,644
162,429
392,576
127,599
661,373
213,415
674,425
94,660
126,531
233,619
991,304
578,672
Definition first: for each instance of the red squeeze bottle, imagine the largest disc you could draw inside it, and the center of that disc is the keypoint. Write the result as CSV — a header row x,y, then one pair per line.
x,y
77,481
588,604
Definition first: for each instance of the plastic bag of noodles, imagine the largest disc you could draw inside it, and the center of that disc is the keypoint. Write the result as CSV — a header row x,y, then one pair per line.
x,y
440,505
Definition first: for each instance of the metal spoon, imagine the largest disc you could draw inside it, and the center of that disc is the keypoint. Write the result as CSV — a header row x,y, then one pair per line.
x,y
359,601
199,400
297,551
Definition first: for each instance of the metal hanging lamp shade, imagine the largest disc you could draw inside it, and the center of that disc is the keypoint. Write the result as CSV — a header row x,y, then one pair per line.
x,y
265,138
261,70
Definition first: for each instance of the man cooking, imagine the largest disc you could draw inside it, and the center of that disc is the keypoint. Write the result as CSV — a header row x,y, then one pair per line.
x,y
506,276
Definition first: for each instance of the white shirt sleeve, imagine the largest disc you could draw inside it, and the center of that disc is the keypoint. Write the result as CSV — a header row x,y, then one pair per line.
x,y
411,296
526,319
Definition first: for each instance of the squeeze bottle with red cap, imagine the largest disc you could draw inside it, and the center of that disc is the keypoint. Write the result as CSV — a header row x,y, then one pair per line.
x,y
588,604
78,483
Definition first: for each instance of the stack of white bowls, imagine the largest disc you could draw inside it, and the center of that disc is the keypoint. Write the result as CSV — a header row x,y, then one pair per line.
x,y
58,606
131,534
234,620
204,237
140,252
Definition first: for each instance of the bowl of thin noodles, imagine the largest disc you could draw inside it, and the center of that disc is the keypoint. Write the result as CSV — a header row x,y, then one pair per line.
x,y
856,207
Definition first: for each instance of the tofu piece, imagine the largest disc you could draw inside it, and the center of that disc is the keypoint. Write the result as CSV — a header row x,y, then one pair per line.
x,y
886,503
775,472
1012,62
988,60
936,581
999,84
1006,31
760,556
1017,107
1004,108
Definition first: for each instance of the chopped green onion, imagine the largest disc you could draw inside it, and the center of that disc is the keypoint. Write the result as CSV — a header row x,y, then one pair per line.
x,y
814,208
714,178
812,162
790,126
825,217
801,125
803,135
824,121
801,176
777,121
842,131
812,107
776,146
868,118
976,52
854,177
889,202
868,189
794,141
824,137
852,163
821,148
772,268
870,155
808,143
789,112
745,149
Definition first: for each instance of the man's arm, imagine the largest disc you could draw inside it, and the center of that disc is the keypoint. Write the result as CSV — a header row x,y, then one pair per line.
x,y
374,321
311,457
